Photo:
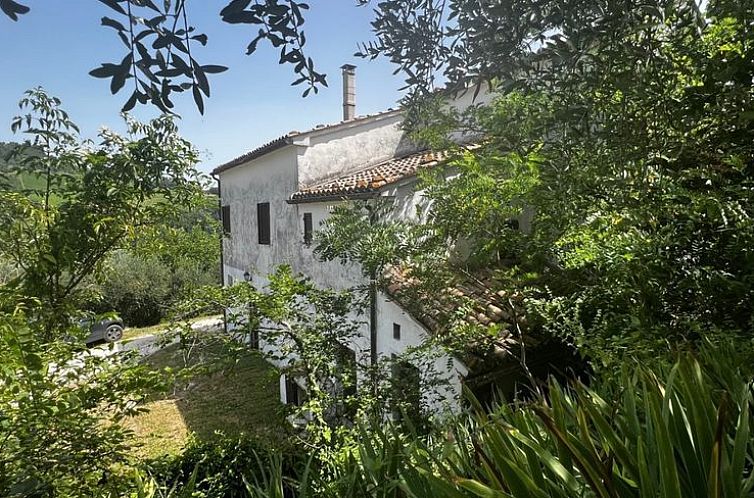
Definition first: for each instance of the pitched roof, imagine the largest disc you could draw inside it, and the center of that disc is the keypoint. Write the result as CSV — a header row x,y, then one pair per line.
x,y
271,146
288,139
482,298
464,300
370,180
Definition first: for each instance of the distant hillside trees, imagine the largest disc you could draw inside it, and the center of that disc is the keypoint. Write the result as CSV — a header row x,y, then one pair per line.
x,y
153,265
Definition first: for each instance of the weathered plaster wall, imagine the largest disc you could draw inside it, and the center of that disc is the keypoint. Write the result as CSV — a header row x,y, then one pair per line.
x,y
330,274
348,148
336,275
271,179
445,397
275,176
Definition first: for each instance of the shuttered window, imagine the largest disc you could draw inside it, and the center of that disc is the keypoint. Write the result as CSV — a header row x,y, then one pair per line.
x,y
294,395
225,215
263,222
308,228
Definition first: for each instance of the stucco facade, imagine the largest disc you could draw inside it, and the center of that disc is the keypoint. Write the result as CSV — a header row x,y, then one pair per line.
x,y
303,159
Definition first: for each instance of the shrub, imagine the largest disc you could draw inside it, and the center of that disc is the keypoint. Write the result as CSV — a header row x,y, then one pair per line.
x,y
678,432
225,467
60,413
137,288
143,288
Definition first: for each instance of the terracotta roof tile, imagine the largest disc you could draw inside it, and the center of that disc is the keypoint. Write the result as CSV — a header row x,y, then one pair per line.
x,y
370,180
475,300
475,293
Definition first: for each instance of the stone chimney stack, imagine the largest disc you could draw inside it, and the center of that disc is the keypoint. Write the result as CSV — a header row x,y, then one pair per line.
x,y
349,91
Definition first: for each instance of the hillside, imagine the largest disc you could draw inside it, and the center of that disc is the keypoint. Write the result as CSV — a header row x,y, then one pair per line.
x,y
10,152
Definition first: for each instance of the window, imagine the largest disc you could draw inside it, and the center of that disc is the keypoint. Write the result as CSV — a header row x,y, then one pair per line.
x,y
230,280
347,365
396,331
263,222
512,224
308,228
406,395
294,395
225,215
345,382
254,339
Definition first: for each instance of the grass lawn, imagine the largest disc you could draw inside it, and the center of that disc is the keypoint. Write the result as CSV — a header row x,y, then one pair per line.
x,y
134,332
245,399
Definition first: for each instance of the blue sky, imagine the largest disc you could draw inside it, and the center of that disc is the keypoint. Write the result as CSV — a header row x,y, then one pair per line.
x,y
60,41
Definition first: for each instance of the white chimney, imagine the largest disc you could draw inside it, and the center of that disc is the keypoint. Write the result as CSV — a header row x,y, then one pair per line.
x,y
349,91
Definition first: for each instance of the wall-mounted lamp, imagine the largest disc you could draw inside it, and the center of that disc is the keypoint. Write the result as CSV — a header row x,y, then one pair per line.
x,y
247,276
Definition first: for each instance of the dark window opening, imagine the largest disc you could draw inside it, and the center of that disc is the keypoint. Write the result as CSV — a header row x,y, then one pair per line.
x,y
347,365
293,393
263,222
225,215
396,331
406,386
512,224
308,229
254,339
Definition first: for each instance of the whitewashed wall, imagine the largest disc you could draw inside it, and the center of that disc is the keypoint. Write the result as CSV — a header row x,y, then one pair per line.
x,y
445,398
271,179
351,146
274,177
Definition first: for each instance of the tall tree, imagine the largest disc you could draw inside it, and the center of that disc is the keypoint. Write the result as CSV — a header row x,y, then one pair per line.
x,y
624,131
89,200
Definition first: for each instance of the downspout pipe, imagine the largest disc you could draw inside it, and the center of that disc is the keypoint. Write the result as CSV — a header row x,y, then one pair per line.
x,y
222,245
373,314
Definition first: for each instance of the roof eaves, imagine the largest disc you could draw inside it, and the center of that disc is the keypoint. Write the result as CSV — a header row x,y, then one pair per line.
x,y
288,139
328,197
272,146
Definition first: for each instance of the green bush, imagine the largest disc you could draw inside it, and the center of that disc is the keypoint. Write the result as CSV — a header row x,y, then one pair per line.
x,y
138,289
681,431
142,289
60,413
225,468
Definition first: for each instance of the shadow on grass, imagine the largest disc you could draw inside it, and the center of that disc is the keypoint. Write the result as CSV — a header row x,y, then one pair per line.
x,y
243,399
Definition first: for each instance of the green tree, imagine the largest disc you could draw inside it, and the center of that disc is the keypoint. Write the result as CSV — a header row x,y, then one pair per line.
x,y
419,36
159,40
624,133
61,405
60,411
90,200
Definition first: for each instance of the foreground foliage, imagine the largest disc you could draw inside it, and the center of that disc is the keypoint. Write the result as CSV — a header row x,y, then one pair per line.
x,y
683,431
61,409
619,138
89,200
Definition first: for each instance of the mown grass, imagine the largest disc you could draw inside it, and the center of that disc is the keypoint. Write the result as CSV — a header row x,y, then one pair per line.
x,y
135,332
244,399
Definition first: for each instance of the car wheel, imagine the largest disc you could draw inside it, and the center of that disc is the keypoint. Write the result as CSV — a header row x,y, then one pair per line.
x,y
113,333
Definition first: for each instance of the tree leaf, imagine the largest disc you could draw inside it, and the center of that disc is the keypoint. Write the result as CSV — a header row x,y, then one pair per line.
x,y
105,71
214,69
12,9
107,21
198,99
115,5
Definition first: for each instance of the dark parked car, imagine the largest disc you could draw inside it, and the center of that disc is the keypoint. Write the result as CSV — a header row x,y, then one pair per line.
x,y
110,330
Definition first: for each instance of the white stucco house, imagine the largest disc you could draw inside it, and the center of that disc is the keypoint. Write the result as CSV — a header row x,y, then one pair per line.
x,y
274,197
